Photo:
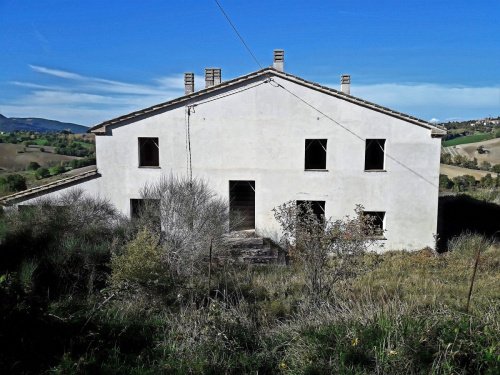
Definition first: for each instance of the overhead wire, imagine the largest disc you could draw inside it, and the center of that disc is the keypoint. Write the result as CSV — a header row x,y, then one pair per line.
x,y
238,34
278,85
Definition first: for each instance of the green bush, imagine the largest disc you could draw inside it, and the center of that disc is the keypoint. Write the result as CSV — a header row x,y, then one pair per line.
x,y
13,183
42,173
445,182
69,239
57,170
33,166
141,262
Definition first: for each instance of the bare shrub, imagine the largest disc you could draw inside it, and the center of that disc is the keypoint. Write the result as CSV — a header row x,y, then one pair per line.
x,y
327,249
68,237
187,217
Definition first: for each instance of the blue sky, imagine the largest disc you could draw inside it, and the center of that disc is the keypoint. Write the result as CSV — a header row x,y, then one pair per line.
x,y
89,61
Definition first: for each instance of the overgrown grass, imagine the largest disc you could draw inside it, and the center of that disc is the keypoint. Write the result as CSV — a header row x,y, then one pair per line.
x,y
478,137
403,313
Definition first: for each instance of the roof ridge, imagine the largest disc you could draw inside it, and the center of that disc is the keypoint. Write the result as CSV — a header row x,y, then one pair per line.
x,y
101,128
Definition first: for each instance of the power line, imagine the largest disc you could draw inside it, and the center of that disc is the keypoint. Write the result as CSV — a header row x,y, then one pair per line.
x,y
276,84
228,94
237,33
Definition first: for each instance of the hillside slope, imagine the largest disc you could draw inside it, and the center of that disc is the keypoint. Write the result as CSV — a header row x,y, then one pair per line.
x,y
40,125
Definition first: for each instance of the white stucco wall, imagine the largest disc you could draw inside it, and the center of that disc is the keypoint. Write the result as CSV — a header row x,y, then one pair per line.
x,y
259,135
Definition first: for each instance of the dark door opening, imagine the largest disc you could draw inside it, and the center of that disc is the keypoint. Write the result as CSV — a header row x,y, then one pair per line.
x,y
241,205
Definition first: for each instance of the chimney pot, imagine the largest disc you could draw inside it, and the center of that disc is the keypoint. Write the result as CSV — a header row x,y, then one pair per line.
x,y
209,77
279,60
213,77
217,76
188,83
345,84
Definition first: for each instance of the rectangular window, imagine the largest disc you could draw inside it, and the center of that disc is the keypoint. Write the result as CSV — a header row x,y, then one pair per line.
x,y
315,154
149,152
377,222
145,207
317,207
375,155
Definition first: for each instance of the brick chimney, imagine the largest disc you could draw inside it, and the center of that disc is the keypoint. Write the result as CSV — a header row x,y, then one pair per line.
x,y
213,76
188,83
345,84
279,60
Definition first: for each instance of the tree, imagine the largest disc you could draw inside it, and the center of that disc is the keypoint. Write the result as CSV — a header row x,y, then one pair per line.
x,y
16,182
496,168
459,160
485,166
42,173
471,164
446,158
463,183
487,181
33,166
445,182
58,170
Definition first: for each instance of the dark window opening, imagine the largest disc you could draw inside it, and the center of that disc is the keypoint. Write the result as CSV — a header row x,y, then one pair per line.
x,y
317,207
315,155
146,209
376,222
149,152
242,205
374,154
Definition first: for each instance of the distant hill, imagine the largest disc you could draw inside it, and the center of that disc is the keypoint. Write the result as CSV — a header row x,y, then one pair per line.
x,y
40,125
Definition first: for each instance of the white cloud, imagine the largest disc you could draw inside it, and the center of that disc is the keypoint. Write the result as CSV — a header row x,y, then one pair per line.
x,y
88,100
431,101
56,72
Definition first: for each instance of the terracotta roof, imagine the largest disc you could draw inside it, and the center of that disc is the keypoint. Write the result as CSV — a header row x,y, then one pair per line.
x,y
47,188
100,129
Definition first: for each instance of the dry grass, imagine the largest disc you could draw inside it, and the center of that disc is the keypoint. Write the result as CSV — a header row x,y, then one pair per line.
x,y
11,160
430,280
454,171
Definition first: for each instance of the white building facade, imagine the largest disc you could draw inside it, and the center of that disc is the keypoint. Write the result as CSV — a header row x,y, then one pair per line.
x,y
270,137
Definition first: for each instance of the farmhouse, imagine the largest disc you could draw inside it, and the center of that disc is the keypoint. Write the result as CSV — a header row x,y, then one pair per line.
x,y
269,137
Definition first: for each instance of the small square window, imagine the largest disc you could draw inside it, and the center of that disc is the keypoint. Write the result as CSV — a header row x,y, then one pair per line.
x,y
315,154
375,155
149,152
377,222
146,210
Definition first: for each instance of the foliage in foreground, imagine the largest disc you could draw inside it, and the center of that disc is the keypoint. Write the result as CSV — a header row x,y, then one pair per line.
x,y
400,313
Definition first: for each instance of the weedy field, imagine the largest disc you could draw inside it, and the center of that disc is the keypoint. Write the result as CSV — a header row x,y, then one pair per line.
x,y
478,137
86,291
15,157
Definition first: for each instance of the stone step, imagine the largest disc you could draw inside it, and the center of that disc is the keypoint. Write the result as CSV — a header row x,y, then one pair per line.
x,y
261,259
250,242
252,251
241,234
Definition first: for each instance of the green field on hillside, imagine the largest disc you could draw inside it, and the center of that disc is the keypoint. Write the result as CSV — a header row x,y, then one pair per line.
x,y
468,139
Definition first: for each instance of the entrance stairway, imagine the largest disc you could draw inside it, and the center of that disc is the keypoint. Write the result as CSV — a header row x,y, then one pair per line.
x,y
245,246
